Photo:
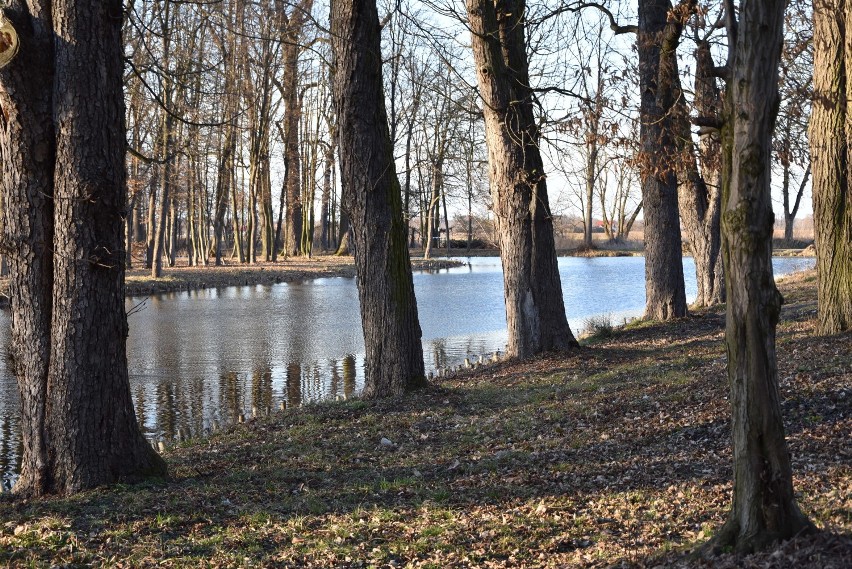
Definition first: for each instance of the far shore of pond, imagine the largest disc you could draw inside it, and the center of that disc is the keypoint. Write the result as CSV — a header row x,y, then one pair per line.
x,y
294,269
139,282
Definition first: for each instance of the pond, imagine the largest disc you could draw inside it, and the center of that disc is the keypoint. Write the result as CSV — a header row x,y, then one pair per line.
x,y
205,357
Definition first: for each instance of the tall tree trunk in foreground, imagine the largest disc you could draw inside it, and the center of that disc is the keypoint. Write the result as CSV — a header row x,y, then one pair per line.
x,y
665,293
830,133
27,150
764,509
78,425
535,312
394,353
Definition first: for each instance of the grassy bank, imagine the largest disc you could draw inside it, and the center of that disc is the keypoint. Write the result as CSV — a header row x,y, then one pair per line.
x,y
616,454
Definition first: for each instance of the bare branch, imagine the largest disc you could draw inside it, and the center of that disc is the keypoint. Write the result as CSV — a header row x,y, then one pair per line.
x,y
709,124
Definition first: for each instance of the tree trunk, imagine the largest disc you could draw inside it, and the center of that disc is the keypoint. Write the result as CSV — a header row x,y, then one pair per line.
x,y
535,312
128,232
764,509
267,224
151,221
224,174
235,218
394,353
343,236
432,224
171,253
264,188
68,321
448,241
699,189
167,144
293,103
591,168
136,220
407,190
192,243
830,134
469,173
251,215
223,186
325,214
165,185
790,213
27,149
282,203
665,294
311,162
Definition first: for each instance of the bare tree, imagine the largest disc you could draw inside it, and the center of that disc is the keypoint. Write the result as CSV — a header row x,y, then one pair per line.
x,y
829,139
790,140
372,199
535,311
658,36
293,30
621,212
764,508
700,188
62,229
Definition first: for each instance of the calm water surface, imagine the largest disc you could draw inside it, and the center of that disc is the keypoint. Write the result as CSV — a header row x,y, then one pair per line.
x,y
204,357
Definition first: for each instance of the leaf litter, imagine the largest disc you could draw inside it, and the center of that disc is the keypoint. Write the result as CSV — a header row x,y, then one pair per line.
x,y
614,455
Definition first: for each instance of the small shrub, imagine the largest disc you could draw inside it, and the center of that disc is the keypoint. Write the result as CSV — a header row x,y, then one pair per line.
x,y
600,326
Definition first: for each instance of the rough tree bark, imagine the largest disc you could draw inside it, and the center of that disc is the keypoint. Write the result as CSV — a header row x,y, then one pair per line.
x,y
27,149
700,192
343,234
371,193
535,311
151,218
830,133
665,293
68,321
764,509
329,150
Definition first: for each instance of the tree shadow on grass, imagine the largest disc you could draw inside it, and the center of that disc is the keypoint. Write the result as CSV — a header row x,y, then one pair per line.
x,y
624,447
475,456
